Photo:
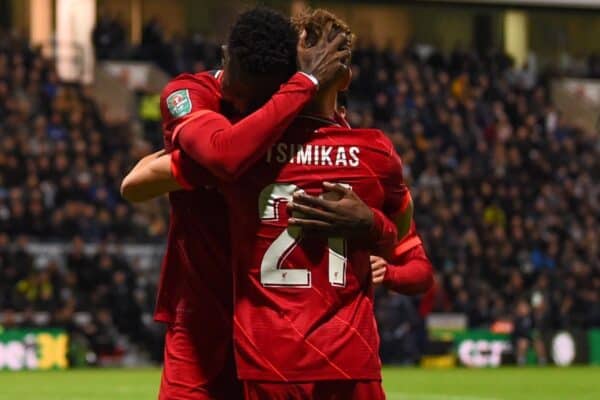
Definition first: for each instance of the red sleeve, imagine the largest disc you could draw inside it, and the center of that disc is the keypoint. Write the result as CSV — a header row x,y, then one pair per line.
x,y
183,97
411,273
384,233
228,150
188,173
396,199
397,196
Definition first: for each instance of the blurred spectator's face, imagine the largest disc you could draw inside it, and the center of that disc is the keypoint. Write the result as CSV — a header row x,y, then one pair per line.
x,y
61,163
522,309
397,138
104,316
121,211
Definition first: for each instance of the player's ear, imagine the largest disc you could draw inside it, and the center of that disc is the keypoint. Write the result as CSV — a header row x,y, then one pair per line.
x,y
346,79
224,56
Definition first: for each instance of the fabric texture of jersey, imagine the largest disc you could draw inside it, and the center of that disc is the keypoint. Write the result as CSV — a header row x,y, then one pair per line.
x,y
198,245
303,309
195,295
196,274
410,271
195,290
227,149
318,324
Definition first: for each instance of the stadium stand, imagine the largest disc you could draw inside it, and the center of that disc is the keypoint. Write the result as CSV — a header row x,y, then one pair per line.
x,y
506,190
487,155
60,171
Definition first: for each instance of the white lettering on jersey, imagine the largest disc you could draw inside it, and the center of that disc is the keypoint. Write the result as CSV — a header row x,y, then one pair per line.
x,y
304,155
281,157
340,159
292,154
338,156
325,152
354,152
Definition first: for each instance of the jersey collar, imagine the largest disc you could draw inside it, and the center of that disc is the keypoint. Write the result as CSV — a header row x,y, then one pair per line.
x,y
329,122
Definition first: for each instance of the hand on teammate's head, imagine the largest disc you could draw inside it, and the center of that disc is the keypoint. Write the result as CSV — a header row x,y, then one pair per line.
x,y
324,47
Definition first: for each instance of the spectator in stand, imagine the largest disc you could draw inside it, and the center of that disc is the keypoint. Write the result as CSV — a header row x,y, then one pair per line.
x,y
108,37
493,177
60,168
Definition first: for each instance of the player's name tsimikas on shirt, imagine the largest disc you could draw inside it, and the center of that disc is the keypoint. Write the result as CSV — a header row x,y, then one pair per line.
x,y
316,155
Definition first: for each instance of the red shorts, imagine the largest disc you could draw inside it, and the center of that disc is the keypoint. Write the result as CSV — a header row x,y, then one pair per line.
x,y
197,366
322,390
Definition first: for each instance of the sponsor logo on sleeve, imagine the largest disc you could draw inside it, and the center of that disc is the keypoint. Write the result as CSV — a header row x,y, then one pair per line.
x,y
179,103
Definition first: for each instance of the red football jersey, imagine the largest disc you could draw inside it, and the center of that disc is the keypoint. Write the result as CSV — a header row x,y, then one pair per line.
x,y
409,270
196,275
183,284
303,308
198,245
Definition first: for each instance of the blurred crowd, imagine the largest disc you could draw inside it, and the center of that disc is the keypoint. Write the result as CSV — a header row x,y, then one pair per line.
x,y
61,164
102,299
506,190
175,55
60,171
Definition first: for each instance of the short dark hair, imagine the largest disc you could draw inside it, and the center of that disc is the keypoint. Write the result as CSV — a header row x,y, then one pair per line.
x,y
263,41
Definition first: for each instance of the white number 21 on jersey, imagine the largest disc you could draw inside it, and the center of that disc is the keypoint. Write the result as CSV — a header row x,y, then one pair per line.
x,y
271,272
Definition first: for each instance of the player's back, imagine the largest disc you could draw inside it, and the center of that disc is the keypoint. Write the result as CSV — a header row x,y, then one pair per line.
x,y
303,309
196,261
196,277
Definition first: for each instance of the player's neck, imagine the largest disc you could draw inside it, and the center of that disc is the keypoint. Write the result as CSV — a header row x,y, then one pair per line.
x,y
323,104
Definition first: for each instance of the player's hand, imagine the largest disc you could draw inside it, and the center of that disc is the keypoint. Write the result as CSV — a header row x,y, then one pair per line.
x,y
325,59
339,212
378,268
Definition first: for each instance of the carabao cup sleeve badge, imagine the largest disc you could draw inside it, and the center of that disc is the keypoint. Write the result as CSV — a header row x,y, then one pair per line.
x,y
179,103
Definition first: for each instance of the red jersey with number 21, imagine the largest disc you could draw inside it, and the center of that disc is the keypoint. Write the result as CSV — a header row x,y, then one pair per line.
x,y
303,308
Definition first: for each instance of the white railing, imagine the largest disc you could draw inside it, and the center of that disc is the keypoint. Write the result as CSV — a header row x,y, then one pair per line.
x,y
148,256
